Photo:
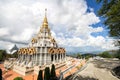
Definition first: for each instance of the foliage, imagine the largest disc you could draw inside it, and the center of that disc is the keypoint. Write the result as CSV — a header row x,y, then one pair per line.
x,y
117,54
40,76
110,10
0,74
47,73
79,55
53,73
105,54
88,55
2,55
14,55
18,78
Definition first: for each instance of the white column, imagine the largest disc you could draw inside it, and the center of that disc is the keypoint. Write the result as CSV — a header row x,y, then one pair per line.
x,y
40,56
49,58
45,58
60,57
57,57
54,58
22,57
36,59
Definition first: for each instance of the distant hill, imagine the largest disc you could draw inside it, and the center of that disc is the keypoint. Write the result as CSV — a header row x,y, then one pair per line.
x,y
89,54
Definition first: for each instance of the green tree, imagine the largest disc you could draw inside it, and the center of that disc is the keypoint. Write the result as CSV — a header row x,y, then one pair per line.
x,y
110,10
40,76
105,54
2,55
79,55
117,54
18,78
53,73
47,73
0,74
15,55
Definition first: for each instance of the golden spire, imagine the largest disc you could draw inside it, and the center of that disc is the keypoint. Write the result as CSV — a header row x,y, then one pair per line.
x,y
45,22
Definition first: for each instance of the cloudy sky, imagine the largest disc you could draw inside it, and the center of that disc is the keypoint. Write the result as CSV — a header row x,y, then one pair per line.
x,y
74,24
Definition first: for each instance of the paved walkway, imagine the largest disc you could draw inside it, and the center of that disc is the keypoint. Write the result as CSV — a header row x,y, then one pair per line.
x,y
97,73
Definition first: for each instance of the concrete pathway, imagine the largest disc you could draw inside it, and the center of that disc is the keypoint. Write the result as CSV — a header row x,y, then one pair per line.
x,y
97,73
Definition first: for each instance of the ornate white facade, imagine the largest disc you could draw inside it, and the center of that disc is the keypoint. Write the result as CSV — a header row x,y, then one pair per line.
x,y
42,50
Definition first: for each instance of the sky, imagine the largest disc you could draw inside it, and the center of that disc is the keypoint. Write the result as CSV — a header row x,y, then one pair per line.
x,y
74,24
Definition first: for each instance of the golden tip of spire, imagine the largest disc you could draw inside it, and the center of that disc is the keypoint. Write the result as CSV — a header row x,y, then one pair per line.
x,y
45,23
45,11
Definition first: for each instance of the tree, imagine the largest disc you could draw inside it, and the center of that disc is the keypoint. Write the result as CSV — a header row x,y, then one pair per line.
x,y
79,55
40,76
0,74
105,54
110,10
53,73
15,55
117,54
2,55
47,73
18,78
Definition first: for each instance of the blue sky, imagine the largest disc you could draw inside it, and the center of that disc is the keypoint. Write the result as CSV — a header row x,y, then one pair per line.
x,y
74,24
96,7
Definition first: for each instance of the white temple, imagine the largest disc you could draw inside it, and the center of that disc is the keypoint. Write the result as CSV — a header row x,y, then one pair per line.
x,y
42,51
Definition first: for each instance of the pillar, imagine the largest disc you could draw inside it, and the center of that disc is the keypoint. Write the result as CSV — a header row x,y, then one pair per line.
x,y
45,58
36,59
40,59
54,58
57,57
49,58
60,57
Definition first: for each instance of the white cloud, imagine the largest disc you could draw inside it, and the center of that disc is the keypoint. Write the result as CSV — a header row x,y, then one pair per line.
x,y
3,32
69,20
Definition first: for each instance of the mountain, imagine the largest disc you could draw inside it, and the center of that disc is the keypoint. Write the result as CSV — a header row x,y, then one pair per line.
x,y
13,49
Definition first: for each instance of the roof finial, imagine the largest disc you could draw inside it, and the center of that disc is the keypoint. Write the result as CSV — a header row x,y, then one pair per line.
x,y
45,12
45,23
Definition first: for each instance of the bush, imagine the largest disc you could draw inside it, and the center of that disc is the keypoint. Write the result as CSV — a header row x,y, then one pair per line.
x,y
18,78
47,73
40,77
117,54
2,55
53,73
105,55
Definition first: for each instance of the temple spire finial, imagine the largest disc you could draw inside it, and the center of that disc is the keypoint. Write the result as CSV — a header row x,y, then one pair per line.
x,y
45,12
45,22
